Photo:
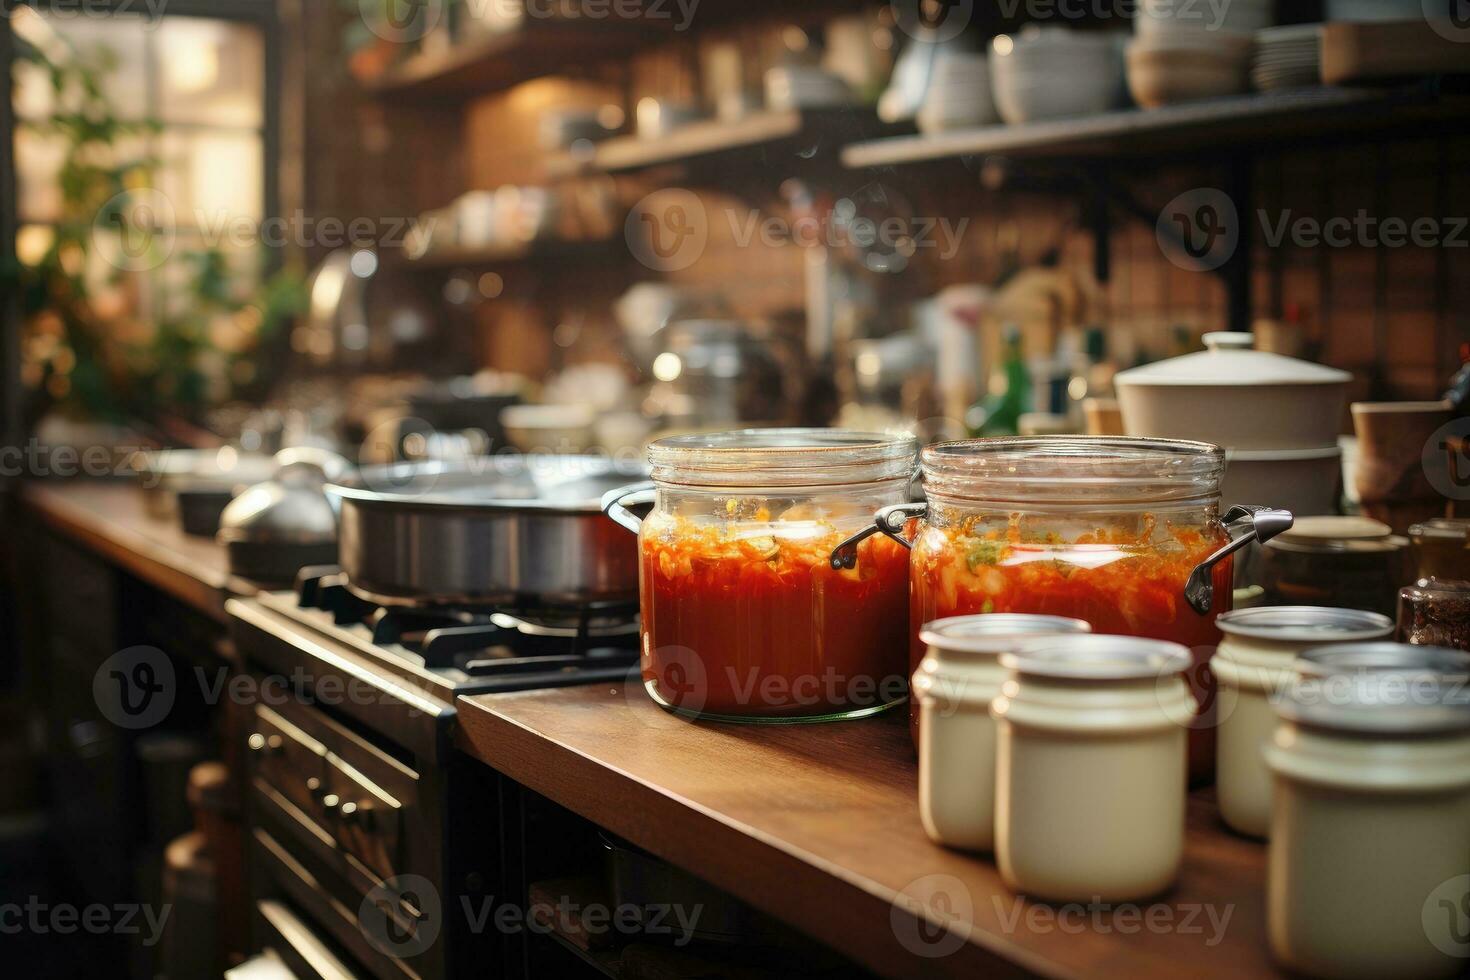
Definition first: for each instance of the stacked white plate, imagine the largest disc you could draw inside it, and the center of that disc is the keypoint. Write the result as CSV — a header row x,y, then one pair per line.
x,y
1054,73
1287,57
959,94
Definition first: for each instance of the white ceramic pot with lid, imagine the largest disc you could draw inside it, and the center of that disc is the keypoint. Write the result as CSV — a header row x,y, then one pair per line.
x,y
1236,397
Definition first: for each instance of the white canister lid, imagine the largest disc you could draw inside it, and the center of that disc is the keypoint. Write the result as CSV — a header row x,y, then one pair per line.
x,y
1231,360
1096,657
1305,624
988,635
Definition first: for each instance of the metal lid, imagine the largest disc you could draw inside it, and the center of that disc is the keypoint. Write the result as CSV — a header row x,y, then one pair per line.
x,y
1098,657
991,634
1304,624
1326,529
1387,688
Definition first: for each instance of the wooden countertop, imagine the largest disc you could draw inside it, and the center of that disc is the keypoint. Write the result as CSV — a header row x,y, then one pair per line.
x,y
110,518
819,826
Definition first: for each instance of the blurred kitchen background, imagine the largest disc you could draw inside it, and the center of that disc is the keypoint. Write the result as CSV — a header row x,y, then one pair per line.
x,y
407,231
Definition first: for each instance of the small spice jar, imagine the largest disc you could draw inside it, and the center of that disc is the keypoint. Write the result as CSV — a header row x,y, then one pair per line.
x,y
954,685
1442,549
1091,766
1369,868
1435,613
1254,666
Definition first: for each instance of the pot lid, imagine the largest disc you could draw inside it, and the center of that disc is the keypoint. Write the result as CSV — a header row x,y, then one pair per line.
x,y
1094,657
1230,360
1305,624
1328,529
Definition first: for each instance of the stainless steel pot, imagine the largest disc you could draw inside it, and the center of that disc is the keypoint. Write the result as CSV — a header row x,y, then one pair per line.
x,y
522,530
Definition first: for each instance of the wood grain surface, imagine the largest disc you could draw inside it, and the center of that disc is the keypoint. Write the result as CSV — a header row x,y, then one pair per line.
x,y
818,825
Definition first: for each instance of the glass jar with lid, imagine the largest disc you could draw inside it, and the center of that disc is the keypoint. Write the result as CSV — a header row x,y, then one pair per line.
x,y
744,618
1125,534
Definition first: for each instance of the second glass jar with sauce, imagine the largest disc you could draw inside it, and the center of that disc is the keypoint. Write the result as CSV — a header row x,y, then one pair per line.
x,y
1112,531
744,617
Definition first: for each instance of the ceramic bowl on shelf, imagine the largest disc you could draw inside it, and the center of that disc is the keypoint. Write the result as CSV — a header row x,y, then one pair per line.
x,y
1056,73
805,87
1166,69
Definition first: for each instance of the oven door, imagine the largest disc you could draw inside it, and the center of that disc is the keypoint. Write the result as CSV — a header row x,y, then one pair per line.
x,y
290,950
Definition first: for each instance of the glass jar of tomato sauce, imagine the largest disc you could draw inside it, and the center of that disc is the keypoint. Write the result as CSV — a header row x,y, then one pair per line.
x,y
744,618
1125,534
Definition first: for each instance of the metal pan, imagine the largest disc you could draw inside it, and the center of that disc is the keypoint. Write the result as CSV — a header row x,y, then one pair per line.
x,y
501,530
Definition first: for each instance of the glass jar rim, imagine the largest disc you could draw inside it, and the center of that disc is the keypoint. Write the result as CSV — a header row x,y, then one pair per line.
x,y
791,457
1075,470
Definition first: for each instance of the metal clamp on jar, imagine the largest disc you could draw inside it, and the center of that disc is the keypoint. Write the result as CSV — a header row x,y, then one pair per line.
x,y
1125,534
1369,872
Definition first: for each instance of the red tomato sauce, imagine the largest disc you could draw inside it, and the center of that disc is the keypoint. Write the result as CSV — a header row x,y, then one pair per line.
x,y
756,623
1128,586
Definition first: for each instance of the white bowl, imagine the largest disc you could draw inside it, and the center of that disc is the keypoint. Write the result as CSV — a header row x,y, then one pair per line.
x,y
1055,74
1305,482
549,428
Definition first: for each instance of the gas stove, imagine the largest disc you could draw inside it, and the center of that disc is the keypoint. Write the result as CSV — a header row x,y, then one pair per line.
x,y
356,787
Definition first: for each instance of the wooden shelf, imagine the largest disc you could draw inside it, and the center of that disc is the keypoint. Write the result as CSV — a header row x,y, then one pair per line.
x,y
1194,127
818,825
764,137
538,47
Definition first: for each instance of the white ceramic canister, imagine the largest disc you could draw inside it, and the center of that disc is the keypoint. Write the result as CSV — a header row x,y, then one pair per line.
x,y
1253,667
956,681
1091,767
1369,869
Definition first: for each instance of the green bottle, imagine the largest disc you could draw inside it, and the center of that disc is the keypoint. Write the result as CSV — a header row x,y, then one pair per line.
x,y
1010,391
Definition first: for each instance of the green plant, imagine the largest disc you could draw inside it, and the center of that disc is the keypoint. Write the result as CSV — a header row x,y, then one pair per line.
x,y
97,343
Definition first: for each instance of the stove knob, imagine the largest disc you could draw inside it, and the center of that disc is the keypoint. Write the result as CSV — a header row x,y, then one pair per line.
x,y
265,744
